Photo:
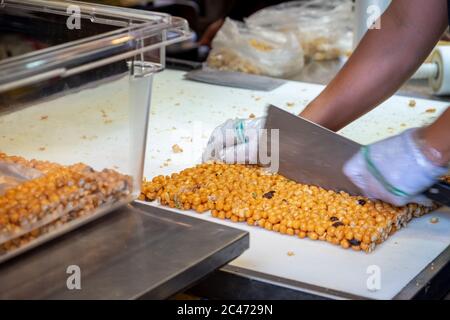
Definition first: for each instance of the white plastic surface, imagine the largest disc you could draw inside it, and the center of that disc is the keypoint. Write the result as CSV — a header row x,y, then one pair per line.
x,y
183,110
441,83
426,71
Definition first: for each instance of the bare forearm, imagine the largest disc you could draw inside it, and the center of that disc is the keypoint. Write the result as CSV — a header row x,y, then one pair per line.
x,y
383,61
437,136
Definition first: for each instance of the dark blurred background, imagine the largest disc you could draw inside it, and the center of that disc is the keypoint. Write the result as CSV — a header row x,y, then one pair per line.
x,y
204,16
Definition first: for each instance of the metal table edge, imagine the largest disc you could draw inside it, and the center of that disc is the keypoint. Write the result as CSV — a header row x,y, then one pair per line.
x,y
221,257
437,271
420,287
310,289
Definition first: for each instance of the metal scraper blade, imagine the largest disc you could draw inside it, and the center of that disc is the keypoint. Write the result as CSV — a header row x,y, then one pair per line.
x,y
235,79
310,154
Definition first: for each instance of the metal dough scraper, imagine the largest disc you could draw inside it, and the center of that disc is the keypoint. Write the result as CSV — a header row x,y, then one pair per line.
x,y
311,154
235,79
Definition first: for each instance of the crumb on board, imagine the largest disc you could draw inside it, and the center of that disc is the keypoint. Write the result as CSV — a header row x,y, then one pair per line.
x,y
434,220
42,148
291,253
44,118
177,104
403,125
290,104
430,110
90,138
188,139
106,119
412,103
166,163
252,116
177,149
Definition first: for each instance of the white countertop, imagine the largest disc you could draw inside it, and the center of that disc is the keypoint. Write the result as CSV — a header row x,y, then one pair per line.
x,y
185,113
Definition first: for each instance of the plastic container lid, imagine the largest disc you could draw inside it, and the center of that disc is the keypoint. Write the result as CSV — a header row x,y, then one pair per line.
x,y
135,27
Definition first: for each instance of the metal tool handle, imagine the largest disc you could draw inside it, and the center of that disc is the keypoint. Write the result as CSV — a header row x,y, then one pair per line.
x,y
440,193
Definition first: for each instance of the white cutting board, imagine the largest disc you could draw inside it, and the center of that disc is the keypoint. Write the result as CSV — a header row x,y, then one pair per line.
x,y
184,110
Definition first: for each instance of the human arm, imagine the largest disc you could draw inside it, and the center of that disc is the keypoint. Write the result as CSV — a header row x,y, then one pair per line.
x,y
382,62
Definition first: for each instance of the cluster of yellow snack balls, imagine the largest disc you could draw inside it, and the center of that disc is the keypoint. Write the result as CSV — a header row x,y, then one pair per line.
x,y
249,194
61,194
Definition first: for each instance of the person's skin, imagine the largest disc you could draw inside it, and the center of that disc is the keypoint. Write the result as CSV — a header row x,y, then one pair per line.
x,y
238,10
383,61
438,136
211,32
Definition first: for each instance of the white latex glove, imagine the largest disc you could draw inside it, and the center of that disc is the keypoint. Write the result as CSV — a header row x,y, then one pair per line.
x,y
235,141
394,170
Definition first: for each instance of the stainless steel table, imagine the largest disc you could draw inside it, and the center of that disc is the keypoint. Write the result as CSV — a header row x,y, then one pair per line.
x,y
138,252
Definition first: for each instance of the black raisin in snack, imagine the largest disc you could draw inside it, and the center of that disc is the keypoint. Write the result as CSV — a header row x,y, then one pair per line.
x,y
269,195
338,224
354,242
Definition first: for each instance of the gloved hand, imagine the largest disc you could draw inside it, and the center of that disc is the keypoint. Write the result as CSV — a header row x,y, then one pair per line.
x,y
235,141
394,170
12,174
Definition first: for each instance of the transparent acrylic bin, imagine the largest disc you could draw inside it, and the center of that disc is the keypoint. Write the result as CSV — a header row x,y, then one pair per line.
x,y
75,87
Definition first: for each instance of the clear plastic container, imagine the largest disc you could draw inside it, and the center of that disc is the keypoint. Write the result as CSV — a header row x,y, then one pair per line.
x,y
75,87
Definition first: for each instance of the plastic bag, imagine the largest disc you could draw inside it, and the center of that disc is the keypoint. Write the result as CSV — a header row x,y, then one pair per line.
x,y
323,28
12,175
255,50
